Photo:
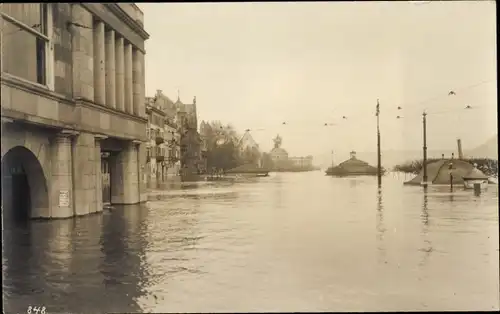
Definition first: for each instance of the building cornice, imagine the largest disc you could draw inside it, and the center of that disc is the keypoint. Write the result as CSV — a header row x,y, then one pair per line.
x,y
19,117
43,91
34,88
133,24
90,104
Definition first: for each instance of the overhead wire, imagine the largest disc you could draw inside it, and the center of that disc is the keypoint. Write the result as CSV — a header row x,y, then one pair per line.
x,y
410,106
401,111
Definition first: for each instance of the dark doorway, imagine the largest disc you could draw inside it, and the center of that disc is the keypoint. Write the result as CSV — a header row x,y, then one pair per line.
x,y
16,198
21,200
24,189
106,179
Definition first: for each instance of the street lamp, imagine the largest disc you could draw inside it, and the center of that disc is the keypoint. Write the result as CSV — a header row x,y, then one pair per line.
x,y
379,156
424,125
450,170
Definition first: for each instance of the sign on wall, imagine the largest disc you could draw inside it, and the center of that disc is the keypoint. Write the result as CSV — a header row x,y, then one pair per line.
x,y
64,198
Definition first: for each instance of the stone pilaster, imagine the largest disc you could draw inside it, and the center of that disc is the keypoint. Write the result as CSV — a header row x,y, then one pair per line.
x,y
98,176
142,173
125,176
138,82
119,74
110,69
62,176
84,169
129,89
99,64
143,90
83,53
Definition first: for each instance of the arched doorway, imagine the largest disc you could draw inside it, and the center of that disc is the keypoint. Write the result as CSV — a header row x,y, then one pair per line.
x,y
24,187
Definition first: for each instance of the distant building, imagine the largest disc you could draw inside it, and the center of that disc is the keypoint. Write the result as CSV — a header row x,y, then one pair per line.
x,y
279,156
249,149
192,160
283,162
352,167
247,142
163,146
302,162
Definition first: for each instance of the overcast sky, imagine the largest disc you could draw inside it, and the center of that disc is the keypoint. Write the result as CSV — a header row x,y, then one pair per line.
x,y
256,65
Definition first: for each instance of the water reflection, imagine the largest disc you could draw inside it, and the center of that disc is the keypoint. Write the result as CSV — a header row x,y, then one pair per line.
x,y
382,255
122,266
290,242
424,216
65,264
278,199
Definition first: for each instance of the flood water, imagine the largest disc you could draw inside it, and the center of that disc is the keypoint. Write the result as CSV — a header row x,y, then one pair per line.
x,y
289,242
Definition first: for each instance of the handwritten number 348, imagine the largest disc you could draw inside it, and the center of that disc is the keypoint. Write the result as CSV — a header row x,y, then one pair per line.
x,y
36,310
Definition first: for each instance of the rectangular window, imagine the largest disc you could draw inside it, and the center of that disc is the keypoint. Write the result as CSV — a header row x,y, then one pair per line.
x,y
26,46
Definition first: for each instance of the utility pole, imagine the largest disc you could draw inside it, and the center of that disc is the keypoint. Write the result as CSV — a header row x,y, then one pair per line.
x,y
332,159
379,157
424,122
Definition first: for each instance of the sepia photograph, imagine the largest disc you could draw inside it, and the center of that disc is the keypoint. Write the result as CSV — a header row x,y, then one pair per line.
x,y
232,157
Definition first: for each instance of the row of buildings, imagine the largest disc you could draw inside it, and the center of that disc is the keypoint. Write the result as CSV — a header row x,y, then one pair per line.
x,y
175,150
77,129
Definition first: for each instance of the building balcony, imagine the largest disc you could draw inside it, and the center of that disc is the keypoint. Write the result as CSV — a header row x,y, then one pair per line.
x,y
159,140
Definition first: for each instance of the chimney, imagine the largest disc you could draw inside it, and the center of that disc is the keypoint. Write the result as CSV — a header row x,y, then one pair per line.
x,y
460,153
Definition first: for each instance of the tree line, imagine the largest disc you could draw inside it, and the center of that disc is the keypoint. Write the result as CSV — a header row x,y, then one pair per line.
x,y
488,166
224,149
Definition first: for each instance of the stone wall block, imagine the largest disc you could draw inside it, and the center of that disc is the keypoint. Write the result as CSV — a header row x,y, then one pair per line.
x,y
62,176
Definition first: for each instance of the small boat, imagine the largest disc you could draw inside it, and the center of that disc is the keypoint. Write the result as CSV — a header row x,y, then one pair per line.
x,y
261,175
248,171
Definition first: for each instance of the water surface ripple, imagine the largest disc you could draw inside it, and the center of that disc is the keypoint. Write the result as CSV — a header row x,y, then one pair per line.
x,y
289,242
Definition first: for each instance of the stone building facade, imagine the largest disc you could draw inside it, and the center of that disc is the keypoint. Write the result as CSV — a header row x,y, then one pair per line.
x,y
278,154
72,91
163,149
192,156
175,139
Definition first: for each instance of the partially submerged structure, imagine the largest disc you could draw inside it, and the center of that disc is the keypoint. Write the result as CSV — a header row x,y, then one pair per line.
x,y
438,172
353,167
